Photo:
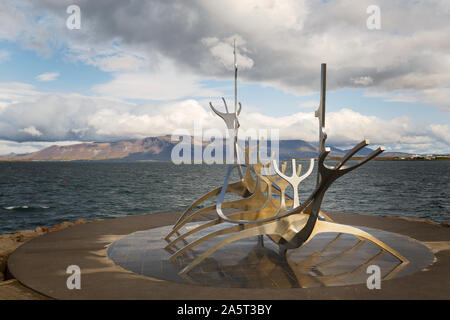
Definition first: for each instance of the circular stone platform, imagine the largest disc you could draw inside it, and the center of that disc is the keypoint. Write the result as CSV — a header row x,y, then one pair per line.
x,y
41,264
329,259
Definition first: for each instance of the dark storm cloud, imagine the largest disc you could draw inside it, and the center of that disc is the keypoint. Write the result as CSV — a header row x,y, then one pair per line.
x,y
286,40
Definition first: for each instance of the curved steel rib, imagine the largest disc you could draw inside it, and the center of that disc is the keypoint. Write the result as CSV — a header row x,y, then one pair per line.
x,y
252,199
270,208
263,207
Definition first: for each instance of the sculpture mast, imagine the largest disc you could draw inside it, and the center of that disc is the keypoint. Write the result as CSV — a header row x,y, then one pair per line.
x,y
235,77
320,113
236,156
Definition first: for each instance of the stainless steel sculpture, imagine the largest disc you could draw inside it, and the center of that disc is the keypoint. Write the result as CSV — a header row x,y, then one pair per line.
x,y
287,222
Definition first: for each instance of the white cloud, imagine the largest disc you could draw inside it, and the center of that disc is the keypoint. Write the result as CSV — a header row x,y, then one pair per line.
x,y
14,91
19,21
111,58
31,130
3,105
13,21
222,50
363,81
12,147
162,82
119,63
48,76
157,120
259,17
438,97
58,117
441,131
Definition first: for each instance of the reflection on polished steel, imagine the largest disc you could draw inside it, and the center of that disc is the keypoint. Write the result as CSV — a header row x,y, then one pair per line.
x,y
288,223
329,259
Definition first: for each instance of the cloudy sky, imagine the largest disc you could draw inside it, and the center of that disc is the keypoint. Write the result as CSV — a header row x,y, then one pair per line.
x,y
144,68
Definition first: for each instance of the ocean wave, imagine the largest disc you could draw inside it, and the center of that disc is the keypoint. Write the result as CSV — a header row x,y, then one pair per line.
x,y
26,208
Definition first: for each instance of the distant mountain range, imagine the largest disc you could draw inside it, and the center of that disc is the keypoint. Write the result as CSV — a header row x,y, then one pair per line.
x,y
160,148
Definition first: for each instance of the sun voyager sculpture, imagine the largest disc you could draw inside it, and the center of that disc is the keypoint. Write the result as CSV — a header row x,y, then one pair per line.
x,y
264,208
